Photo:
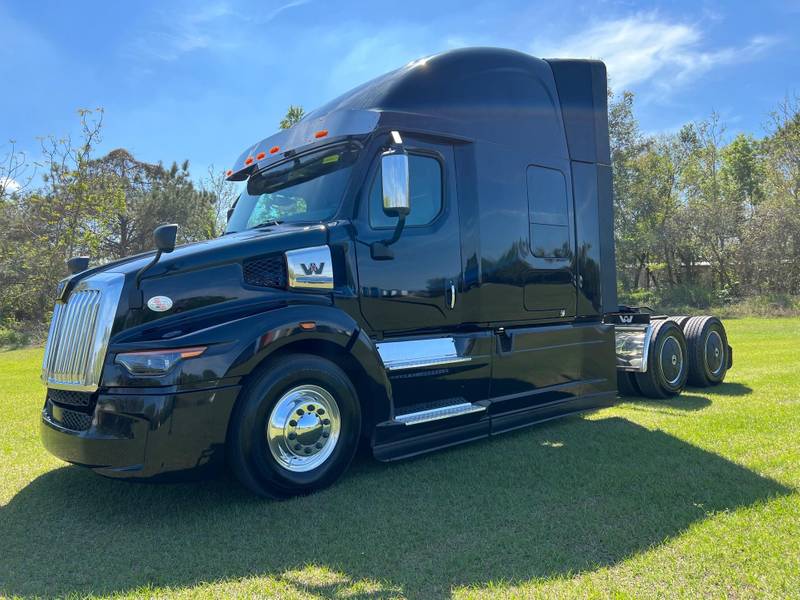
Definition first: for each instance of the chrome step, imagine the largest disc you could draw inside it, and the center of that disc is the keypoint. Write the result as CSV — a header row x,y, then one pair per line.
x,y
443,412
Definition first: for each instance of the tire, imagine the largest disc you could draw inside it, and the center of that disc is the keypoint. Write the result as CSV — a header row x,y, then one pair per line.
x,y
626,384
295,427
667,369
681,321
708,351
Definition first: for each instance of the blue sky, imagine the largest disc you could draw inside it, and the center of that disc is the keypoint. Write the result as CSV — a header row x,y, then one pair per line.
x,y
202,80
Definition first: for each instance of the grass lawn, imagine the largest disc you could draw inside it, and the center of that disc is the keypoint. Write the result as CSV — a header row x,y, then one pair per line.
x,y
690,497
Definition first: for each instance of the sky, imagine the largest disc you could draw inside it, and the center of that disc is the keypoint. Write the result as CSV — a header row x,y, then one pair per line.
x,y
202,80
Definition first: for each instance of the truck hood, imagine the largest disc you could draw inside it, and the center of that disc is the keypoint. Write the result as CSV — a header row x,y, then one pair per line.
x,y
201,276
226,249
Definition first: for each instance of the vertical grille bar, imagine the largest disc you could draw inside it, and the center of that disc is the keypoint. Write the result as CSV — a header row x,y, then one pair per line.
x,y
79,333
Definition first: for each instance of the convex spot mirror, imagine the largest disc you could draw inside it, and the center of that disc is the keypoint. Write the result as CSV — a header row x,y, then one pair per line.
x,y
395,183
164,237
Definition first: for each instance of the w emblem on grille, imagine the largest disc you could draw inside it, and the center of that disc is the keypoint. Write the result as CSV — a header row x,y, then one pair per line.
x,y
312,268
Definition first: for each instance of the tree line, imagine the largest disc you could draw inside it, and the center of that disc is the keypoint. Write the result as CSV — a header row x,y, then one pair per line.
x,y
701,218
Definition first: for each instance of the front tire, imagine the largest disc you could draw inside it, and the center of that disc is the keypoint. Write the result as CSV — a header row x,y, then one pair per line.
x,y
295,427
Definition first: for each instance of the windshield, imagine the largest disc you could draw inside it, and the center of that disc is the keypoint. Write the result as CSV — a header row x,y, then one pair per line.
x,y
307,188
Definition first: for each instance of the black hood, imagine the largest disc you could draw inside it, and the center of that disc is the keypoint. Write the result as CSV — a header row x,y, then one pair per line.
x,y
228,248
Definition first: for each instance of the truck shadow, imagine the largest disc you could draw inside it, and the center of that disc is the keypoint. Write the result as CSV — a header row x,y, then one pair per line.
x,y
692,399
563,498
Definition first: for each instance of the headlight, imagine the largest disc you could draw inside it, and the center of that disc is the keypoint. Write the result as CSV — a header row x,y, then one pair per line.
x,y
156,362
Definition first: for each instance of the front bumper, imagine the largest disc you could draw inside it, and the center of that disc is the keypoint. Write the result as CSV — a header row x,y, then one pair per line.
x,y
135,434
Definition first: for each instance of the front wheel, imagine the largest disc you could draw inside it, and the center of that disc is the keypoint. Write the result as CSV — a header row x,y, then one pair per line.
x,y
295,428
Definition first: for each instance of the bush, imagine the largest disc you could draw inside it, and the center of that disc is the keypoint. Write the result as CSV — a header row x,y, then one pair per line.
x,y
12,337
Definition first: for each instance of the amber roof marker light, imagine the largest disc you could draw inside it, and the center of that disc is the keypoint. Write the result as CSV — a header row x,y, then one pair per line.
x,y
260,155
274,149
321,133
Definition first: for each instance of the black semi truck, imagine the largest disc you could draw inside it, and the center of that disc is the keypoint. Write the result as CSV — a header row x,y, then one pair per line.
x,y
424,261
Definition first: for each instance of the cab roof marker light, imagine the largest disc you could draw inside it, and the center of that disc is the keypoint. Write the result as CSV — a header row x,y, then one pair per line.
x,y
260,155
274,149
249,160
229,172
321,133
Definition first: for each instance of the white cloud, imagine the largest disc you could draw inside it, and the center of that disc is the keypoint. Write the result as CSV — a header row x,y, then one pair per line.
x,y
216,26
8,185
643,48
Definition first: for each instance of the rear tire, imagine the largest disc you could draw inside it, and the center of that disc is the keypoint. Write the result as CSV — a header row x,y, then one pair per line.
x,y
666,362
708,351
295,427
681,321
626,384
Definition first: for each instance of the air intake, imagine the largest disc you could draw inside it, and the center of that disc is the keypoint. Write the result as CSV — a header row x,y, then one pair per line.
x,y
266,271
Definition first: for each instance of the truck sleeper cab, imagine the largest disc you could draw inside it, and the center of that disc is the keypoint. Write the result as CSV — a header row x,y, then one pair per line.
x,y
424,261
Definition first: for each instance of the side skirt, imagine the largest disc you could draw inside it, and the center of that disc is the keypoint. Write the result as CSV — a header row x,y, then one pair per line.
x,y
394,440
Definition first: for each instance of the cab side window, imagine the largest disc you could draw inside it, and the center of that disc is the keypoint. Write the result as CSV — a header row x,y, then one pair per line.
x,y
548,214
425,182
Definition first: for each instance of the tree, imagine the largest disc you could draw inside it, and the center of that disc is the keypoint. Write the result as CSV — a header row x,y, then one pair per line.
x,y
105,207
293,115
224,193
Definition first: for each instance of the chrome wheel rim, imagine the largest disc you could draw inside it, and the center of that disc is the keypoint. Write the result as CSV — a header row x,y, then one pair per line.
x,y
303,428
672,360
714,353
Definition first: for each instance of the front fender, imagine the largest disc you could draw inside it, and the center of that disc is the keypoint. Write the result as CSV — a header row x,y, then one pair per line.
x,y
236,348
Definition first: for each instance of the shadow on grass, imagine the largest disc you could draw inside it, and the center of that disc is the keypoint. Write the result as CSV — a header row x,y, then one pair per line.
x,y
690,400
731,388
538,503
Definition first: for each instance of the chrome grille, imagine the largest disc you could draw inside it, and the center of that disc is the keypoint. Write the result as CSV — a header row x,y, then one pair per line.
x,y
79,333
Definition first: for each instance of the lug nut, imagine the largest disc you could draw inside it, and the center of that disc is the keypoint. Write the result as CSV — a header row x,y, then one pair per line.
x,y
310,408
308,450
292,423
318,445
325,434
326,421
300,412
298,447
320,411
292,436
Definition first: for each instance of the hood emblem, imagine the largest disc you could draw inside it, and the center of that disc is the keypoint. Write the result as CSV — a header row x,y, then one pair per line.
x,y
159,303
312,268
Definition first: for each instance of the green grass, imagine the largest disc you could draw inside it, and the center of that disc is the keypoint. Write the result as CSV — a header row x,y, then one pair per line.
x,y
691,497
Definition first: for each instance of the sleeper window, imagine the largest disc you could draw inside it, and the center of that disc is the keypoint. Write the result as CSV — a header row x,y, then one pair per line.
x,y
425,175
548,213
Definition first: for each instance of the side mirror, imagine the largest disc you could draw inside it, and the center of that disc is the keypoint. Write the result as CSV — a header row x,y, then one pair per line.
x,y
76,264
164,237
395,182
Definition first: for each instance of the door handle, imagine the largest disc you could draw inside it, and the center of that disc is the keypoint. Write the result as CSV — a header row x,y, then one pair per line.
x,y
452,303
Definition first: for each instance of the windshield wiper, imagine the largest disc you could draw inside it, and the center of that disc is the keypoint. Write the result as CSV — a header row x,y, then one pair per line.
x,y
271,223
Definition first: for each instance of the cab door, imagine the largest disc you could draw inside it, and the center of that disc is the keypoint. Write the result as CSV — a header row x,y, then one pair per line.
x,y
418,288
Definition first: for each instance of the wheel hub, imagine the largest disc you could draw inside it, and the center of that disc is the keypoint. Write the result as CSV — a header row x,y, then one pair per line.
x,y
714,353
672,360
303,428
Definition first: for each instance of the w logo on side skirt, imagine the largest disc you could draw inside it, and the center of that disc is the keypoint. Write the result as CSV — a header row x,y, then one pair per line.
x,y
312,268
626,318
